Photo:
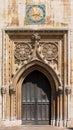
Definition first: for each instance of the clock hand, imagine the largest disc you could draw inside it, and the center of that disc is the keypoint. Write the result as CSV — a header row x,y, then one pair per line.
x,y
37,15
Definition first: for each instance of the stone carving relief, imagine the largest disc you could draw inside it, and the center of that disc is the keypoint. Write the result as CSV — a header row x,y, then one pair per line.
x,y
46,51
49,51
23,52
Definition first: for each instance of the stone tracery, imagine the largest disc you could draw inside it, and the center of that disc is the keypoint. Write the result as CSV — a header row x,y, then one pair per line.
x,y
46,51
22,52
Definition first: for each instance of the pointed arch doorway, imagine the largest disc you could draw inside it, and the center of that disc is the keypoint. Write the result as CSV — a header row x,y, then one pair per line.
x,y
36,99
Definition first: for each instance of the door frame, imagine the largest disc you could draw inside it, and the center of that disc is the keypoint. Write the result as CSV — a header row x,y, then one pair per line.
x,y
21,75
36,121
14,76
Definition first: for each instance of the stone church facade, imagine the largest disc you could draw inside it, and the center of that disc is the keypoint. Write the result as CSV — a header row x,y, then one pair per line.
x,y
36,62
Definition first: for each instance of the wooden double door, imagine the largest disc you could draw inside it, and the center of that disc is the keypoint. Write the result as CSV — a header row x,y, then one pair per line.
x,y
36,99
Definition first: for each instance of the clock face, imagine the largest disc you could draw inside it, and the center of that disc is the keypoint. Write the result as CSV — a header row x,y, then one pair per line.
x,y
35,14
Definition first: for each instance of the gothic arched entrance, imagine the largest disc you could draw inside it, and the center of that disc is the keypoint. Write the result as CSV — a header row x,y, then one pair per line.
x,y
35,74
36,99
42,50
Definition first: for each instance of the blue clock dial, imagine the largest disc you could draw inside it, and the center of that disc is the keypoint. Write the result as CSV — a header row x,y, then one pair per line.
x,y
35,14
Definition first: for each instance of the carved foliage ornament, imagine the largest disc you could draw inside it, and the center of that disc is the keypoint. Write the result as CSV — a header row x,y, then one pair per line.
x,y
22,51
49,51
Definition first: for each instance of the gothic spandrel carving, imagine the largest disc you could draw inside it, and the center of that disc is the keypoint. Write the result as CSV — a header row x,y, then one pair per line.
x,y
46,51
49,51
23,52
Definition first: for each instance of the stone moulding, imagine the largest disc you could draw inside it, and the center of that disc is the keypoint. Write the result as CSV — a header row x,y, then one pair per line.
x,y
49,49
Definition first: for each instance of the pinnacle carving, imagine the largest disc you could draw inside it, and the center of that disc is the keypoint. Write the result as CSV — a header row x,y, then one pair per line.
x,y
35,37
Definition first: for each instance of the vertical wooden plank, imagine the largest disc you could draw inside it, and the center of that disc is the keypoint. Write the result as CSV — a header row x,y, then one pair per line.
x,y
36,91
47,111
39,112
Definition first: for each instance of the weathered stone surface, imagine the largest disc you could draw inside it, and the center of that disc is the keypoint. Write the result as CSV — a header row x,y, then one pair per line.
x,y
58,16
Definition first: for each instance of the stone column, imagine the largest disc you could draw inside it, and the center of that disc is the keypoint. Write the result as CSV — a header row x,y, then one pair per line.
x,y
53,112
3,92
52,109
57,120
60,91
65,76
11,92
68,92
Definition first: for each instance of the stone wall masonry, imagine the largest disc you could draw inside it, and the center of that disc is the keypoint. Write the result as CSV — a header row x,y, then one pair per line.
x,y
13,13
59,14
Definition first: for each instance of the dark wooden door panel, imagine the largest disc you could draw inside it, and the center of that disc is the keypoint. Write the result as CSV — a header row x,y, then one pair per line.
x,y
36,97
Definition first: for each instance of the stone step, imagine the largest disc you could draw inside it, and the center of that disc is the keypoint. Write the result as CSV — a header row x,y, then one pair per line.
x,y
31,127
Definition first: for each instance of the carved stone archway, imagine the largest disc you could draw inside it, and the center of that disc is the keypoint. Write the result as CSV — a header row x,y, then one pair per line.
x,y
29,50
17,84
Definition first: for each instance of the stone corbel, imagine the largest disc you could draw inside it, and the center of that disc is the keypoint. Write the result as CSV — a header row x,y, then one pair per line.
x,y
60,90
35,37
68,90
11,89
3,90
35,40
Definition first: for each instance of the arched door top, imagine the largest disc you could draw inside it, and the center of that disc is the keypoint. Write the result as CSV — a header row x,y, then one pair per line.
x,y
36,98
24,70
